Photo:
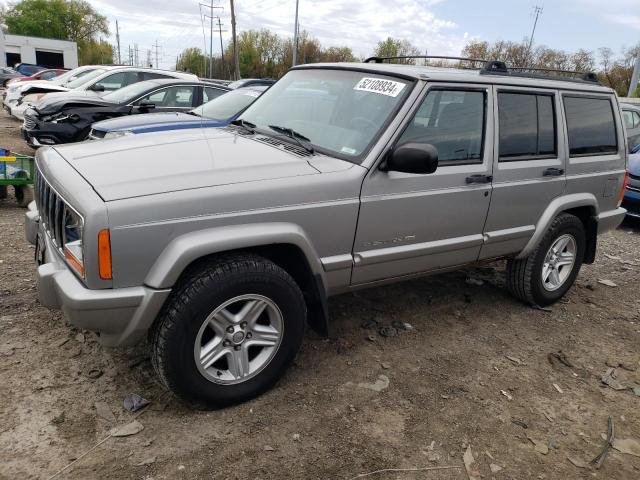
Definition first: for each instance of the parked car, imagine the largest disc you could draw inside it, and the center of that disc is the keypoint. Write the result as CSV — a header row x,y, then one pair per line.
x,y
219,112
14,94
27,68
632,193
631,117
7,74
248,82
221,244
66,118
46,74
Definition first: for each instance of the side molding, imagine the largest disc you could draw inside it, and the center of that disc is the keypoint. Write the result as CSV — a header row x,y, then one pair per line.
x,y
185,249
556,206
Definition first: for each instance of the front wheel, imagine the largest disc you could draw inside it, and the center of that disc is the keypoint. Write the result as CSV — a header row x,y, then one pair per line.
x,y
228,331
550,270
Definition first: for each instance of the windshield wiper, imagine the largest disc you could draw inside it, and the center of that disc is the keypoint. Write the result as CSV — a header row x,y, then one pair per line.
x,y
300,139
248,126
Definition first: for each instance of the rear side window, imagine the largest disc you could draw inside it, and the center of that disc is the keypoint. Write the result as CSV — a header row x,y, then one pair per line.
x,y
591,125
527,126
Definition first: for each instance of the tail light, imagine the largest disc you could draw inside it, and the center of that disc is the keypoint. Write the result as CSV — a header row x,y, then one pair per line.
x,y
625,182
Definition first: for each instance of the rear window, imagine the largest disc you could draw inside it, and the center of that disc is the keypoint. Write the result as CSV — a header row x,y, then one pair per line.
x,y
591,125
527,125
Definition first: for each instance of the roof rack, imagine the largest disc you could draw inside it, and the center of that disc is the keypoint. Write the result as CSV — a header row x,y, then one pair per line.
x,y
427,57
495,67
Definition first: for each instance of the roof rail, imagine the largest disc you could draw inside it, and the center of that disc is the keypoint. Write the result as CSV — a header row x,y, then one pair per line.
x,y
427,57
494,67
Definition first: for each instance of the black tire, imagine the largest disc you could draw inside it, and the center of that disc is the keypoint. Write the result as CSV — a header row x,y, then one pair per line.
x,y
24,194
199,292
3,192
524,276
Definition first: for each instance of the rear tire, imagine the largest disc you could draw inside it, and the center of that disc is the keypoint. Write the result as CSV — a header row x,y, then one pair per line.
x,y
24,194
546,274
3,192
203,319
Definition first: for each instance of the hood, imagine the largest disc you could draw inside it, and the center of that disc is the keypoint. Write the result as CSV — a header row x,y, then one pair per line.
x,y
42,86
53,102
164,162
146,121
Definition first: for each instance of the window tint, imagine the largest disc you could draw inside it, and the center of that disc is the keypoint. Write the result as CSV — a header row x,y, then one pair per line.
x,y
153,75
453,122
118,80
174,97
591,125
527,125
631,119
209,93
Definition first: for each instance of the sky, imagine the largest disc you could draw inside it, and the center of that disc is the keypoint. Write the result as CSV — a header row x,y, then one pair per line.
x,y
441,27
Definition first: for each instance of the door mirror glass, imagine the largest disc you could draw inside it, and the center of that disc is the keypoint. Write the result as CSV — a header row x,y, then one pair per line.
x,y
98,87
146,104
412,157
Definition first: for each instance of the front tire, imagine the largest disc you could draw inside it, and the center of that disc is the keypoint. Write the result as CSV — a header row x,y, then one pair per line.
x,y
549,271
229,330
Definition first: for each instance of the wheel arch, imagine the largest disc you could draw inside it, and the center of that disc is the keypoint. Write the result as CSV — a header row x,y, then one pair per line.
x,y
582,205
287,245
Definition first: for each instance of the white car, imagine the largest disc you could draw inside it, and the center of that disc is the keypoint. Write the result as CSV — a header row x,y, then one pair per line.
x,y
16,90
101,80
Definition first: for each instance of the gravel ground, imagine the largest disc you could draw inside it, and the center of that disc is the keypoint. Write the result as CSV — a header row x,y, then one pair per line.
x,y
471,375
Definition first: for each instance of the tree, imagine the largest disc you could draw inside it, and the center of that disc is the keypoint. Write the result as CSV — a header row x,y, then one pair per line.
x,y
192,60
392,47
74,20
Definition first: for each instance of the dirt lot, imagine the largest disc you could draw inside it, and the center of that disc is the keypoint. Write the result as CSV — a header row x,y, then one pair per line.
x,y
473,372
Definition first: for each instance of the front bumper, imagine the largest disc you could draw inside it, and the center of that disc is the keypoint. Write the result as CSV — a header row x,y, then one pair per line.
x,y
121,316
48,133
632,202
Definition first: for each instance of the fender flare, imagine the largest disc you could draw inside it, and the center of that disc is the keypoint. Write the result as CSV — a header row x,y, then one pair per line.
x,y
556,206
185,249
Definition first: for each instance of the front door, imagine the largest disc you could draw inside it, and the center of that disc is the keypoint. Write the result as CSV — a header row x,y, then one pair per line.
x,y
529,169
412,223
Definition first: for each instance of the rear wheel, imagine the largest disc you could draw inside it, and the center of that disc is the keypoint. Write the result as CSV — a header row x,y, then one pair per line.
x,y
24,194
3,192
229,330
550,270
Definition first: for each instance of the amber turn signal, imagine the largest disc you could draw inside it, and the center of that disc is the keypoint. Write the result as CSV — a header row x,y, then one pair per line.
x,y
104,254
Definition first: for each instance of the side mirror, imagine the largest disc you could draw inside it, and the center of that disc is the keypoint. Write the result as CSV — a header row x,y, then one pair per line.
x,y
420,158
146,105
98,87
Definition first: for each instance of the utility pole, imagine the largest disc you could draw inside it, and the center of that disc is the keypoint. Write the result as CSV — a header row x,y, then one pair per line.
x,y
221,48
130,56
135,54
236,61
211,7
156,48
537,11
295,38
118,42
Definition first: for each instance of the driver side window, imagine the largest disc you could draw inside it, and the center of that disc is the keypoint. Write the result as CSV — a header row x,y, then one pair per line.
x,y
453,122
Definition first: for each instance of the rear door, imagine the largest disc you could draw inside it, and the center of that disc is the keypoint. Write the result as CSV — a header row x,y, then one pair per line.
x,y
411,223
529,166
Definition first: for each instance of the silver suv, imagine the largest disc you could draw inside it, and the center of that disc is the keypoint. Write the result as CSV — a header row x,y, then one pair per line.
x,y
221,245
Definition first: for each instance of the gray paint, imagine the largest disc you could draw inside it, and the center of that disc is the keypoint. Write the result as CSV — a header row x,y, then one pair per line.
x,y
173,197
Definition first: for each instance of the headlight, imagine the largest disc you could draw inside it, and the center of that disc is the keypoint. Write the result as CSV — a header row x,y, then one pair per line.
x,y
72,240
117,133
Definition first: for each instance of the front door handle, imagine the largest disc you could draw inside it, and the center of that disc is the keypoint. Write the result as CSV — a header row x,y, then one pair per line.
x,y
479,179
553,172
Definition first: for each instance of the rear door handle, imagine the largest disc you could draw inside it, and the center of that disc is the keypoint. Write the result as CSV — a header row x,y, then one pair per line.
x,y
553,172
479,179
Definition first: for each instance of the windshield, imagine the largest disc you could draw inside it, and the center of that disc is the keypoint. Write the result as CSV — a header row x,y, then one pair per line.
x,y
71,75
227,105
78,82
339,111
130,92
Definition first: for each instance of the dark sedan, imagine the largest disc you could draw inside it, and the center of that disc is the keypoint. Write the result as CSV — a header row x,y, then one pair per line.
x,y
64,118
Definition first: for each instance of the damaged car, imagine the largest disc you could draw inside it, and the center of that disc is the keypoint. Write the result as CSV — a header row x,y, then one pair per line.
x,y
68,118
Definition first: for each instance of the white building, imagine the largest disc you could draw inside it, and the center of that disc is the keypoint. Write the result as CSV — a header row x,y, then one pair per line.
x,y
47,52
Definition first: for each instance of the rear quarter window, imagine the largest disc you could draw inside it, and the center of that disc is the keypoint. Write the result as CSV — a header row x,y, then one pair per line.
x,y
591,125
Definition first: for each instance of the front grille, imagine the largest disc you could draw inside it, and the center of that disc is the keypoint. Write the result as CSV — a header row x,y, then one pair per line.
x,y
51,208
633,189
29,123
